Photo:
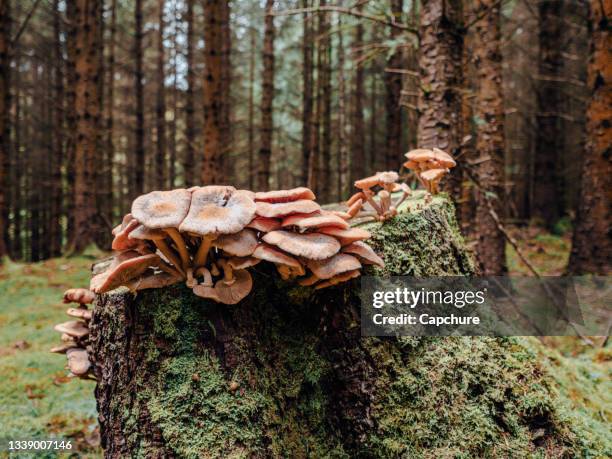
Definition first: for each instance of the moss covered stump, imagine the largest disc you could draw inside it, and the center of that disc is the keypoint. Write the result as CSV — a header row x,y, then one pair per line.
x,y
286,373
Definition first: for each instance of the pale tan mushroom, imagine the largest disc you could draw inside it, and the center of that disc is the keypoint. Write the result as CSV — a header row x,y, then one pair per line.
x,y
313,246
355,207
62,348
343,277
286,265
73,328
278,196
158,237
346,236
79,295
432,178
330,267
240,244
124,269
153,280
228,294
78,361
314,221
272,210
205,274
364,252
79,313
264,224
355,198
243,262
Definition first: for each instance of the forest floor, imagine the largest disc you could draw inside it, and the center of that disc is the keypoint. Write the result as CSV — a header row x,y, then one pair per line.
x,y
38,400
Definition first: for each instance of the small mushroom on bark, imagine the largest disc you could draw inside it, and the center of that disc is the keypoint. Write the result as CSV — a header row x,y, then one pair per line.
x,y
330,267
79,313
227,294
158,237
364,252
304,223
432,178
313,246
264,224
73,328
153,280
240,244
286,265
346,236
343,277
122,271
78,361
275,210
62,348
278,196
79,295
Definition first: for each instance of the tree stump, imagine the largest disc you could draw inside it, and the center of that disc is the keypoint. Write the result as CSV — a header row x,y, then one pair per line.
x,y
286,373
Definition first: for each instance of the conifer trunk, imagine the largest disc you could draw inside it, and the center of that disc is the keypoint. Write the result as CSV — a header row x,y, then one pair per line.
x,y
160,105
358,156
4,115
267,98
393,89
189,158
136,168
307,87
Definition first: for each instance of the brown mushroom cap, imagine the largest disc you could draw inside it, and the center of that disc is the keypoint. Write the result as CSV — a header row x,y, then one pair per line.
x,y
343,277
277,196
330,267
314,221
357,196
218,210
443,159
78,361
387,178
346,236
152,280
273,255
79,295
420,155
74,328
80,313
143,233
121,272
282,209
367,183
243,262
228,294
121,240
162,209
264,224
313,246
364,252
240,244
126,219
433,174
62,348
411,165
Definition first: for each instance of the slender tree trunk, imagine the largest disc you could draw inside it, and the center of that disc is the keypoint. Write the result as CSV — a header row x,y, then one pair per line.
x,y
393,89
4,115
314,160
87,121
371,159
71,80
137,172
226,78
189,157
487,61
307,82
343,163
55,236
358,158
109,143
547,185
174,101
325,161
267,98
160,104
251,134
441,47
216,91
592,241
18,164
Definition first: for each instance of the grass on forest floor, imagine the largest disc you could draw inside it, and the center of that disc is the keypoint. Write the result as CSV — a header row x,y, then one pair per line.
x,y
37,400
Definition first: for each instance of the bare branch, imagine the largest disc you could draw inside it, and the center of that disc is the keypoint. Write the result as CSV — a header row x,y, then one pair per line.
x,y
349,11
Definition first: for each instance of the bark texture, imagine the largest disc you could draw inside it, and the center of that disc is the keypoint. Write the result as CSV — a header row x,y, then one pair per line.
x,y
286,372
4,118
87,109
592,241
307,83
137,164
160,104
216,91
441,47
357,140
189,158
267,98
393,89
489,109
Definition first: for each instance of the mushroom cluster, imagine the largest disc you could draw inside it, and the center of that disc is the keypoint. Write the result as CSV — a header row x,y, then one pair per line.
x,y
384,207
75,333
210,236
430,166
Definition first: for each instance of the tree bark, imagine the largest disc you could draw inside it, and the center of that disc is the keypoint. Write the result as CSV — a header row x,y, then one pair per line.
x,y
487,60
4,114
71,80
109,143
251,127
307,83
441,47
189,158
343,153
358,157
160,104
267,98
326,90
592,240
393,89
87,122
137,169
547,185
216,91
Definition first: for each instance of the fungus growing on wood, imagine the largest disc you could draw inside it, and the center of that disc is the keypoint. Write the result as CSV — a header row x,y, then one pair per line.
x,y
314,221
264,224
424,162
79,295
313,246
123,270
277,196
282,209
78,361
346,236
286,265
74,328
364,252
384,208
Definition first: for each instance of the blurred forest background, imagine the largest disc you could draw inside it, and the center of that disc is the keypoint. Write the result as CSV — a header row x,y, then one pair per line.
x,y
102,100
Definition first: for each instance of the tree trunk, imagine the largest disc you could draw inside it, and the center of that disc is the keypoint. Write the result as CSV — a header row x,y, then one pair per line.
x,y
307,83
343,153
71,81
286,373
441,47
189,158
592,241
160,104
393,89
326,89
487,60
216,91
358,158
173,143
4,114
267,97
109,144
547,188
251,128
137,169
87,122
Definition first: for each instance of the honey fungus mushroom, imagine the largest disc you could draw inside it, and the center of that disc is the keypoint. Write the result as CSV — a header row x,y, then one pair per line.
x,y
430,166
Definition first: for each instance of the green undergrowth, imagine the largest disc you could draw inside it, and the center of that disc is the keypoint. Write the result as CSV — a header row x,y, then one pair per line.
x,y
37,400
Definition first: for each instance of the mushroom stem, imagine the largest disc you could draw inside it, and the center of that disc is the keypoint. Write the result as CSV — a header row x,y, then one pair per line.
x,y
172,270
202,253
191,282
310,280
205,273
180,246
170,254
368,195
228,273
